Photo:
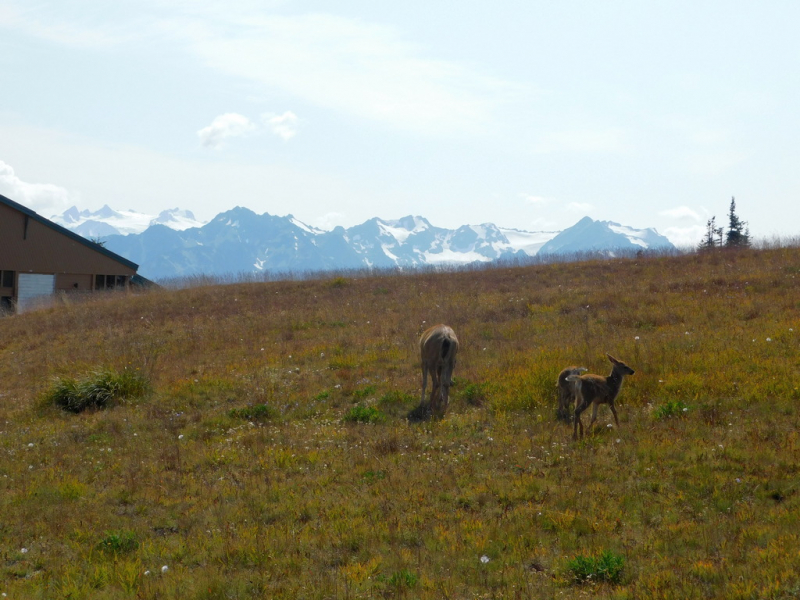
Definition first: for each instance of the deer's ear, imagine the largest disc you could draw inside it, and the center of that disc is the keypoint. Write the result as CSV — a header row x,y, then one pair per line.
x,y
612,359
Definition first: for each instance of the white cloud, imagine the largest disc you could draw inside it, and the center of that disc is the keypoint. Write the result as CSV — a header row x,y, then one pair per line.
x,y
348,65
284,126
330,220
536,200
366,70
682,212
582,207
684,237
44,198
224,127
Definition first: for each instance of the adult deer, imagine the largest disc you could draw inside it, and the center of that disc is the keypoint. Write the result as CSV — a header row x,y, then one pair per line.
x,y
597,390
438,347
566,392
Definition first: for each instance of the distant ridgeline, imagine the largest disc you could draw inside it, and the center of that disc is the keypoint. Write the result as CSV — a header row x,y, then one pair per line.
x,y
241,241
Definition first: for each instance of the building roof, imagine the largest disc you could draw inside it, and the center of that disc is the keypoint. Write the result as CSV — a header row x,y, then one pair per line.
x,y
70,234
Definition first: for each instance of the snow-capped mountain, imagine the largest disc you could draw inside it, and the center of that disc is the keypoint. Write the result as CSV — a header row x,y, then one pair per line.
x,y
241,241
588,235
107,221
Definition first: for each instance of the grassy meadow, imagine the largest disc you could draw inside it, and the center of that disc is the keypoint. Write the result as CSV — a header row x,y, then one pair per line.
x,y
252,439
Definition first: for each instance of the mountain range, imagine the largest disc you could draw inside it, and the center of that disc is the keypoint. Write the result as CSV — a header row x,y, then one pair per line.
x,y
175,244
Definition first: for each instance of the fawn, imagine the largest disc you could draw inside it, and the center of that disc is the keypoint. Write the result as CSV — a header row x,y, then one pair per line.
x,y
597,390
566,392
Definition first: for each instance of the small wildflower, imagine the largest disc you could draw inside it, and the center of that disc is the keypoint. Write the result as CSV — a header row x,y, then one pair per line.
x,y
30,445
24,550
636,338
685,409
164,569
618,440
146,573
180,437
738,480
484,559
769,339
609,425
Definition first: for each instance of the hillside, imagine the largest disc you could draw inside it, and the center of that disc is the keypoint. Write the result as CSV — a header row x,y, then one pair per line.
x,y
241,474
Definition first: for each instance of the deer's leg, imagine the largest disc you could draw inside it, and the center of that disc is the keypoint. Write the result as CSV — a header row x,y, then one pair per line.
x,y
614,412
579,408
424,381
595,406
436,390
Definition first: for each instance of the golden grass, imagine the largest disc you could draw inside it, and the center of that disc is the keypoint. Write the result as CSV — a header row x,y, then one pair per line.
x,y
299,503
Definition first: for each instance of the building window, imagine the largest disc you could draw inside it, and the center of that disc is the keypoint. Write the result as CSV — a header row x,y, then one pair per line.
x,y
109,282
7,279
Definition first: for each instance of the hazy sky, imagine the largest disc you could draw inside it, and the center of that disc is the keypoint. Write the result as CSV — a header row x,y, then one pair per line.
x,y
525,114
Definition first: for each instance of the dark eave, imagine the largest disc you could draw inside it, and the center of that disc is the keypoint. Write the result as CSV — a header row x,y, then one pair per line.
x,y
70,234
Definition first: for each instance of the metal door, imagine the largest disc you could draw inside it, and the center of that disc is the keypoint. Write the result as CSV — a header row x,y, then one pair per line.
x,y
33,289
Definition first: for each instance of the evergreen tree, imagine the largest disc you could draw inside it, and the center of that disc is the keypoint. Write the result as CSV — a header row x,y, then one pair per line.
x,y
710,240
738,235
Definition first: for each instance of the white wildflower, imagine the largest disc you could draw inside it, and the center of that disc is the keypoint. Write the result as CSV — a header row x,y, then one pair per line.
x,y
484,559
164,569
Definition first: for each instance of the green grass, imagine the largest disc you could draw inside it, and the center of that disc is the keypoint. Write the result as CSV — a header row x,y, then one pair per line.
x,y
243,462
606,567
96,390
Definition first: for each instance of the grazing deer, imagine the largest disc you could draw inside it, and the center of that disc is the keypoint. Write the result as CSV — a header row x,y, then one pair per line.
x,y
438,347
566,392
597,390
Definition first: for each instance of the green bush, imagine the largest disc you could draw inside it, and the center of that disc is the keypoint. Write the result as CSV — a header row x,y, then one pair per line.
x,y
360,394
96,390
364,414
475,394
606,567
119,543
670,409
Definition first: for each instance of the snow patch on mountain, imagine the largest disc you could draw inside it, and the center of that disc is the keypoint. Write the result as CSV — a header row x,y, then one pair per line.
x,y
108,221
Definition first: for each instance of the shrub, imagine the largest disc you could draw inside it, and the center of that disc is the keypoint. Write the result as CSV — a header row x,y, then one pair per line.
x,y
258,412
401,579
119,543
606,567
364,414
670,409
475,394
360,394
97,390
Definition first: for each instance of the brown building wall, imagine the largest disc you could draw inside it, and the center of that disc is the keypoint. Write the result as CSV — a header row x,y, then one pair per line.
x,y
29,246
70,282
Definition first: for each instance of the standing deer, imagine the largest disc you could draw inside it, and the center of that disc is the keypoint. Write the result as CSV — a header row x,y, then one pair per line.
x,y
566,392
438,347
597,390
